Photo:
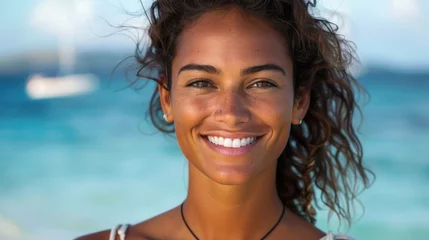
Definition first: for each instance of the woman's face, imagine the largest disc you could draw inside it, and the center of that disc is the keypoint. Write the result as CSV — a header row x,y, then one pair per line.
x,y
232,98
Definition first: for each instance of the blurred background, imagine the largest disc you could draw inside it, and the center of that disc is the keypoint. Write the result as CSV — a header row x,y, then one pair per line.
x,y
77,155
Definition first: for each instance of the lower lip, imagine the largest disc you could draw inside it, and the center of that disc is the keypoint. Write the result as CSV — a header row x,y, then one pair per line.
x,y
231,152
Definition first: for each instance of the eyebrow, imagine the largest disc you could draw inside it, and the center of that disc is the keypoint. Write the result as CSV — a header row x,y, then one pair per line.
x,y
246,71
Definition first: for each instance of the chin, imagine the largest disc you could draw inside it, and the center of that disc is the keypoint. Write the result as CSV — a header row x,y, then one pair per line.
x,y
230,174
230,179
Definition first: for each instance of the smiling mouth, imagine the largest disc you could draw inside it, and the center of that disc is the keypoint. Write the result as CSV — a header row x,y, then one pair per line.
x,y
231,142
231,146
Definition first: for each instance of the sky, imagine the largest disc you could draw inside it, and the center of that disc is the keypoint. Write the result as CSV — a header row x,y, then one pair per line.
x,y
394,33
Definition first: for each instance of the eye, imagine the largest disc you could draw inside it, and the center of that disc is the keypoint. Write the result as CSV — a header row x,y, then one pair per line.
x,y
201,84
263,84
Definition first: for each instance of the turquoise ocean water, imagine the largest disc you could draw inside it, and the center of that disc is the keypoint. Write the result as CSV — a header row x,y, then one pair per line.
x,y
76,165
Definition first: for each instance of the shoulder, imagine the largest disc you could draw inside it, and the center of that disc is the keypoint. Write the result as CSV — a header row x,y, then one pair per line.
x,y
296,227
163,226
158,227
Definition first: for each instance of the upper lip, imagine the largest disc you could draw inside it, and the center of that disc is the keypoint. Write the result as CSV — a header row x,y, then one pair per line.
x,y
231,134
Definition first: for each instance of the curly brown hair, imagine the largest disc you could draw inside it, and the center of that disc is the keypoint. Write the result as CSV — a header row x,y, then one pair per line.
x,y
324,152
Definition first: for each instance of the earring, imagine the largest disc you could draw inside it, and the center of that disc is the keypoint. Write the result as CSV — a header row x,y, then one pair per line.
x,y
300,121
165,117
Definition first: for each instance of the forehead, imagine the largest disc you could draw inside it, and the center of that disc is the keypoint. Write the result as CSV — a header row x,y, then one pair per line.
x,y
228,38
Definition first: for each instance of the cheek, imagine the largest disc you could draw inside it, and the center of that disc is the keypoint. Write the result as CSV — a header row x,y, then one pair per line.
x,y
189,113
275,109
189,110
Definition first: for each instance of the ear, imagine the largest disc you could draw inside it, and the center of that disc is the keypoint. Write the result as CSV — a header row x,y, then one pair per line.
x,y
300,107
165,97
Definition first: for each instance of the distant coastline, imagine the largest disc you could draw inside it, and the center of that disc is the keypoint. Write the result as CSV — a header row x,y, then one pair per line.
x,y
103,62
47,62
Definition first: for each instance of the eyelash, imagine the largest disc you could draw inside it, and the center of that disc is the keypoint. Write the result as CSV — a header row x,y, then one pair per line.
x,y
203,81
193,84
271,84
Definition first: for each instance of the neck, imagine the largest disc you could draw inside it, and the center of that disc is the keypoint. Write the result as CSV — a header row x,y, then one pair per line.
x,y
246,211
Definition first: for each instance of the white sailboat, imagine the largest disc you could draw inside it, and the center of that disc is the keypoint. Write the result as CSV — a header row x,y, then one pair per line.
x,y
63,19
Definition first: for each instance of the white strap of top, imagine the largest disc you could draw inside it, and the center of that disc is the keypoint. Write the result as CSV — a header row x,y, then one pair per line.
x,y
331,236
121,230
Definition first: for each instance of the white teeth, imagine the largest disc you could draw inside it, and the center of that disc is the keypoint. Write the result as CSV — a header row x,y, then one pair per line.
x,y
227,142
236,143
231,142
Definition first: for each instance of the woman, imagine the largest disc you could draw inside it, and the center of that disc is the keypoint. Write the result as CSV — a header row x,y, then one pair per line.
x,y
260,98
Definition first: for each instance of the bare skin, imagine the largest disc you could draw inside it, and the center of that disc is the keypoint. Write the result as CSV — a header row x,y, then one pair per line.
x,y
230,197
169,226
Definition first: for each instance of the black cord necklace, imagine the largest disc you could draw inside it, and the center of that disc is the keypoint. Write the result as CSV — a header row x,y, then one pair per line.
x,y
266,235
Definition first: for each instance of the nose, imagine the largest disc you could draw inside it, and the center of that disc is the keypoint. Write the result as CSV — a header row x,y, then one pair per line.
x,y
232,108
